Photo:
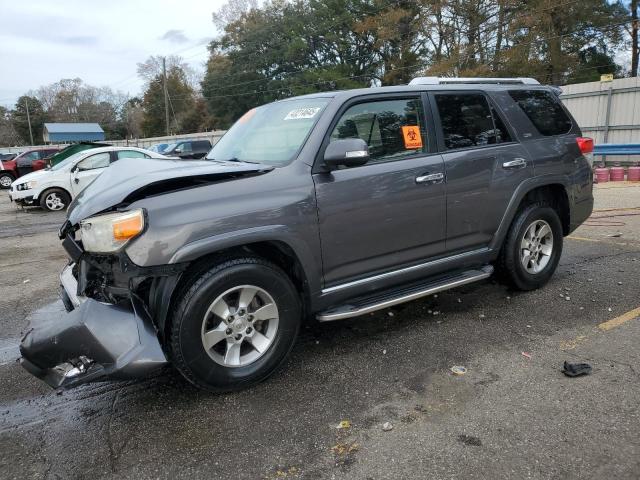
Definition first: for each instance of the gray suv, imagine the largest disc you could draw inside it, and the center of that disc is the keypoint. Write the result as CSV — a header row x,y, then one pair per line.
x,y
325,206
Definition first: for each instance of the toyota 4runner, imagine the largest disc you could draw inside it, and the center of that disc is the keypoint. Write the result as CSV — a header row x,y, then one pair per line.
x,y
329,206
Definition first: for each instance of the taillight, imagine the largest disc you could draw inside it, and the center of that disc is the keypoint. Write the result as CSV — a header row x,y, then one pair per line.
x,y
585,144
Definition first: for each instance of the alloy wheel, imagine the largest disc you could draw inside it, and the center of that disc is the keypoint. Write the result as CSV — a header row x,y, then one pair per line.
x,y
240,326
54,201
536,246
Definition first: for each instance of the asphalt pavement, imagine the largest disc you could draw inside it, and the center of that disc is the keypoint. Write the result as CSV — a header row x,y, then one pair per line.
x,y
513,414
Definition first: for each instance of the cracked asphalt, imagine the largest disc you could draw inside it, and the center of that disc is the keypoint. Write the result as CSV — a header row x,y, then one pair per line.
x,y
512,415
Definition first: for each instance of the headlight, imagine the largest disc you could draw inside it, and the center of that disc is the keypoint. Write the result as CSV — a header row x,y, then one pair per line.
x,y
110,232
26,185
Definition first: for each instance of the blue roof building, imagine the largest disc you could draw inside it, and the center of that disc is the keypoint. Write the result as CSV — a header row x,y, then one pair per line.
x,y
72,132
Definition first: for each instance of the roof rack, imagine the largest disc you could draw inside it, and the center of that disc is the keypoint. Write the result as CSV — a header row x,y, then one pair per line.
x,y
476,80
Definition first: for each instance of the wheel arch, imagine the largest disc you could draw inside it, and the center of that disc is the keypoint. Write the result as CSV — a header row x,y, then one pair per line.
x,y
553,189
52,187
279,252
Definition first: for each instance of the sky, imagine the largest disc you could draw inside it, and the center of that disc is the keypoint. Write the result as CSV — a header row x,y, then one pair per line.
x,y
43,41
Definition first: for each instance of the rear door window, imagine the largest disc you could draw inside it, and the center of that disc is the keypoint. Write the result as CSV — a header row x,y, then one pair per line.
x,y
544,110
185,147
393,129
467,121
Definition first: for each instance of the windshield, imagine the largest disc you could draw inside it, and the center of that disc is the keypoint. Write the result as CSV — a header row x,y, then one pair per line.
x,y
271,134
67,161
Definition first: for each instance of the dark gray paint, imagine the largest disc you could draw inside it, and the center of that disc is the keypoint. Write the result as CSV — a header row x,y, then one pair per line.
x,y
358,230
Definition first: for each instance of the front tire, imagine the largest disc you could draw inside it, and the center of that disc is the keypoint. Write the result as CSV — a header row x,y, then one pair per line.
x,y
55,200
235,324
6,179
532,249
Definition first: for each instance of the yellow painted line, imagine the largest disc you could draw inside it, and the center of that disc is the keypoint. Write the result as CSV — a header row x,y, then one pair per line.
x,y
616,322
583,239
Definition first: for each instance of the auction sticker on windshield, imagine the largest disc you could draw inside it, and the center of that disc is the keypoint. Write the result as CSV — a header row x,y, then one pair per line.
x,y
302,113
412,137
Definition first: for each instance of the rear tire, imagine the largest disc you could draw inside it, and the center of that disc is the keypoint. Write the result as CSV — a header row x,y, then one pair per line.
x,y
532,248
234,325
6,179
55,200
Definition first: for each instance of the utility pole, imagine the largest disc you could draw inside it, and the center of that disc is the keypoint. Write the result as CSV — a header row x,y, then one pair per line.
x,y
634,38
26,106
166,93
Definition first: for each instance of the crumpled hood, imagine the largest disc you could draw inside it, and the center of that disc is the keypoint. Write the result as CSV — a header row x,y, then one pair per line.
x,y
129,180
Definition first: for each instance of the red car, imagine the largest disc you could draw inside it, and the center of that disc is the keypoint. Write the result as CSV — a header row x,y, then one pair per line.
x,y
24,163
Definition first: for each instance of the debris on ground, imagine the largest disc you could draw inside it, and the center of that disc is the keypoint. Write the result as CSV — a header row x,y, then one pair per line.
x,y
344,424
390,314
344,448
576,369
384,352
387,426
26,281
526,354
615,235
482,315
458,370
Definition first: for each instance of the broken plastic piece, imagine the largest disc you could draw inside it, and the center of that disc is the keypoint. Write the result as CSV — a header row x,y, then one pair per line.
x,y
576,369
458,370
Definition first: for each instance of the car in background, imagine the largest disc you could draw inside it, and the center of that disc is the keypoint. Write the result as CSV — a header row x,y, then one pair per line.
x,y
8,156
158,147
188,149
55,187
27,162
73,149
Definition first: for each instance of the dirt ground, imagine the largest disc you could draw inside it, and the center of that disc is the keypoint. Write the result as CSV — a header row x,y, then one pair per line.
x,y
512,415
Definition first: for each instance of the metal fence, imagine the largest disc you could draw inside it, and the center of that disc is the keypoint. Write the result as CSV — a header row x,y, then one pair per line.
x,y
609,112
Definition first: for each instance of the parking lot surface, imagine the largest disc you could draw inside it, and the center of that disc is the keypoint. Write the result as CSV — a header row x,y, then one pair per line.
x,y
512,415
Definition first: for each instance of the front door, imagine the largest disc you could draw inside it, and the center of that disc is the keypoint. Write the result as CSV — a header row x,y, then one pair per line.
x,y
391,211
87,170
483,164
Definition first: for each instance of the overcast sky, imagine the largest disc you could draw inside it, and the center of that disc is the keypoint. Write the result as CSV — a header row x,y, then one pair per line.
x,y
42,41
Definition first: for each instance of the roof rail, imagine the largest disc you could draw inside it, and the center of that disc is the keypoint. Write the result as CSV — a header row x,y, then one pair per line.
x,y
477,80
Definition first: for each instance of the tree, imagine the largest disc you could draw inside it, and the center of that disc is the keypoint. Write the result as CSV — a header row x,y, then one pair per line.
x,y
20,120
181,102
8,135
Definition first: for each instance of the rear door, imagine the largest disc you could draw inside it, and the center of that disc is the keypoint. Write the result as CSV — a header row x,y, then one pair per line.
x,y
483,165
87,170
390,211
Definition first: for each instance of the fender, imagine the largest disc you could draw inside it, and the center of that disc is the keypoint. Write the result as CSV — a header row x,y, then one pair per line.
x,y
520,192
267,233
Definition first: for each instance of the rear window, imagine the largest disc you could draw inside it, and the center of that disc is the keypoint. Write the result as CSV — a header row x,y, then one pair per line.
x,y
544,111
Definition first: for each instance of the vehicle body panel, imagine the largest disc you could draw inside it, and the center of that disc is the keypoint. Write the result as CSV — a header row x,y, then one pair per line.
x,y
353,231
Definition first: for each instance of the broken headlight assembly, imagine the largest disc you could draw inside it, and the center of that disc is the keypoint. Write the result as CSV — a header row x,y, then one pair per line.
x,y
110,232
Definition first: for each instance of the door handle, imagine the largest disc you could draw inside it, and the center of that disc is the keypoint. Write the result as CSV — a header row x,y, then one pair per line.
x,y
432,178
515,163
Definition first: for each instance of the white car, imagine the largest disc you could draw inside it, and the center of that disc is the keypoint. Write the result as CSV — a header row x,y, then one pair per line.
x,y
54,188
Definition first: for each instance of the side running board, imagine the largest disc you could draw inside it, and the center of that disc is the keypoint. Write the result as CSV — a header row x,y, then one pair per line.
x,y
394,297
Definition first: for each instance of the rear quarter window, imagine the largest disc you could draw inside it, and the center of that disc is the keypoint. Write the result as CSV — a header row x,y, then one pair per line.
x,y
544,111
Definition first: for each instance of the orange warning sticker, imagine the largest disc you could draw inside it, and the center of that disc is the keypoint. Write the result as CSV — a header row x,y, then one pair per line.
x,y
412,137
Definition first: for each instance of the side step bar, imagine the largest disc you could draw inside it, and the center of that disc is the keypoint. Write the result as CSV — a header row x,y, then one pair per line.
x,y
395,297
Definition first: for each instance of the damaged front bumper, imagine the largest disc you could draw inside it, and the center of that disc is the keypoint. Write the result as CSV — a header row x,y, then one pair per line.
x,y
93,341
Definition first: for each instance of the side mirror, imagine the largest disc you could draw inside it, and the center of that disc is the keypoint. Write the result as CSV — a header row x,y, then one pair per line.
x,y
177,150
350,152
